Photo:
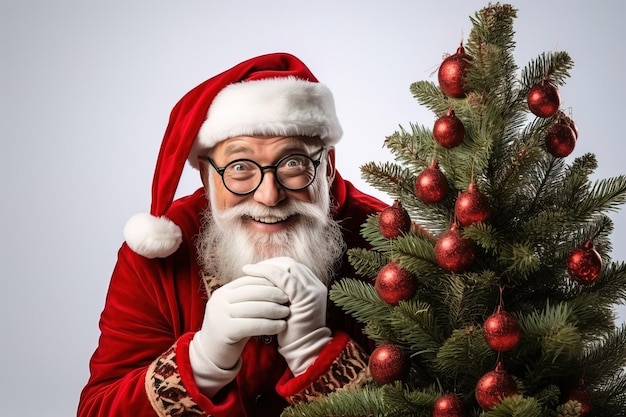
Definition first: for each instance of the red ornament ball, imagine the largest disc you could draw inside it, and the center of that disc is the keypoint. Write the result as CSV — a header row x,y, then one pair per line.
x,y
389,363
448,130
394,220
543,99
492,387
579,393
453,252
471,206
394,284
501,331
569,122
449,405
560,140
431,185
584,264
451,74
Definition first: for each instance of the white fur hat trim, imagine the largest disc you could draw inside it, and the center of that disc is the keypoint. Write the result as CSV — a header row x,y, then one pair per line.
x,y
285,106
152,237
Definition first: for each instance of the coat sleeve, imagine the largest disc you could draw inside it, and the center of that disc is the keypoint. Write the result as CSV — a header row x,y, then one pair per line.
x,y
341,365
146,314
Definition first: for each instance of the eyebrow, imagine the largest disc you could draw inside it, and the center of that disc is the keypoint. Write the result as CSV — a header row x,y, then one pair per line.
x,y
290,145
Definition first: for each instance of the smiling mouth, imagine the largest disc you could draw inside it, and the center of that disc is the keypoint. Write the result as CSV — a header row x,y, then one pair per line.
x,y
270,219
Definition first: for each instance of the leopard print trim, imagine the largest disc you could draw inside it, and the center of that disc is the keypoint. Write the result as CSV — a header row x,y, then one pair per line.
x,y
348,371
165,390
211,283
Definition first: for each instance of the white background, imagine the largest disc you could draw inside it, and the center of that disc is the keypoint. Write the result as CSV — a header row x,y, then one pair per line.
x,y
87,88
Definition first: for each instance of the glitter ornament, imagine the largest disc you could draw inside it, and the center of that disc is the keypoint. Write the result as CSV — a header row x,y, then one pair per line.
x,y
394,284
543,99
453,252
501,331
584,264
471,206
492,387
431,185
448,130
579,394
394,220
388,363
449,405
563,118
560,140
451,74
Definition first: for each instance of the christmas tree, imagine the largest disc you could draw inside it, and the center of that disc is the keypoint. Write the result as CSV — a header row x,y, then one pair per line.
x,y
489,287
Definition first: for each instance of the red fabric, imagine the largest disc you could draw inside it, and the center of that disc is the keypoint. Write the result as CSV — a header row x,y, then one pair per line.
x,y
153,304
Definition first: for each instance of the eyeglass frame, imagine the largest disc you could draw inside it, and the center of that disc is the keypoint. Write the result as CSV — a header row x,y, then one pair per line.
x,y
262,168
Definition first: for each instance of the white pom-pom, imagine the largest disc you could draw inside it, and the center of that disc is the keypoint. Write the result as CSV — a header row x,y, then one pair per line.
x,y
152,237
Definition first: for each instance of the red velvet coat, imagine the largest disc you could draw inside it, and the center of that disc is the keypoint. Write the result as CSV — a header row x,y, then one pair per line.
x,y
153,307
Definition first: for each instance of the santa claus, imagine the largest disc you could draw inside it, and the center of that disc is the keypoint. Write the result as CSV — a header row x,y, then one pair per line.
x,y
218,302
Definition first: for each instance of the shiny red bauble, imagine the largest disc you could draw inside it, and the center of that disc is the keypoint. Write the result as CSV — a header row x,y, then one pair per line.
x,y
449,405
448,130
560,140
453,252
492,387
543,99
389,363
451,74
501,331
584,264
563,118
394,284
431,185
394,221
580,394
471,206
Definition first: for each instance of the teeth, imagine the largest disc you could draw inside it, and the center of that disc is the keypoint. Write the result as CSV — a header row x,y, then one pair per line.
x,y
270,219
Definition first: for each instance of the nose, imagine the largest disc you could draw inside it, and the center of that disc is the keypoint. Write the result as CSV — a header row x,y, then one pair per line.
x,y
270,192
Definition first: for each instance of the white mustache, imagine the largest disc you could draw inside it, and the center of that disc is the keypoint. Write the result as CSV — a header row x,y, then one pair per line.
x,y
266,214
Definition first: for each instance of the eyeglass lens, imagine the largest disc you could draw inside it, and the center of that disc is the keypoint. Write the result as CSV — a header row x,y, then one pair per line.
x,y
293,172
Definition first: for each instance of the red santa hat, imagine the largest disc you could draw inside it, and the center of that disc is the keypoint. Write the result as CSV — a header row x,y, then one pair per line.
x,y
274,94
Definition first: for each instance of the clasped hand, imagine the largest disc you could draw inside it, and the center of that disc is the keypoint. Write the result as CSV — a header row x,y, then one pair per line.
x,y
307,295
278,296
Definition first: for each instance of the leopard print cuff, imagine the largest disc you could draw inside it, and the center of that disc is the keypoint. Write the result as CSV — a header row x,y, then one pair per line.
x,y
165,390
349,370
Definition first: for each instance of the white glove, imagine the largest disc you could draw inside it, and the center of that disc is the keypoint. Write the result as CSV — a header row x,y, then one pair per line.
x,y
306,334
245,307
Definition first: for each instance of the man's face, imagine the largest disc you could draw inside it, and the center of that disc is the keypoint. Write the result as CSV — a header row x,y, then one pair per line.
x,y
264,151
271,220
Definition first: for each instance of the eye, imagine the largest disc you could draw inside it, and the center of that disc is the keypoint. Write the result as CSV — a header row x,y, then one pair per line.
x,y
294,161
241,169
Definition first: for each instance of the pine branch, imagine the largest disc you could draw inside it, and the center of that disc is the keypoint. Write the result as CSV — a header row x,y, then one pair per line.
x,y
429,95
604,356
554,66
464,357
366,262
369,231
516,405
413,149
415,253
424,338
368,401
604,195
555,330
389,177
611,286
610,397
359,299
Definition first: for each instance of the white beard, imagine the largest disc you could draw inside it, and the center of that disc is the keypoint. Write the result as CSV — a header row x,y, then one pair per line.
x,y
225,245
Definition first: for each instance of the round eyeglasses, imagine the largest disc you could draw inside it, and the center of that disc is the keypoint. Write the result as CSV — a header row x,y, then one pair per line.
x,y
293,172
